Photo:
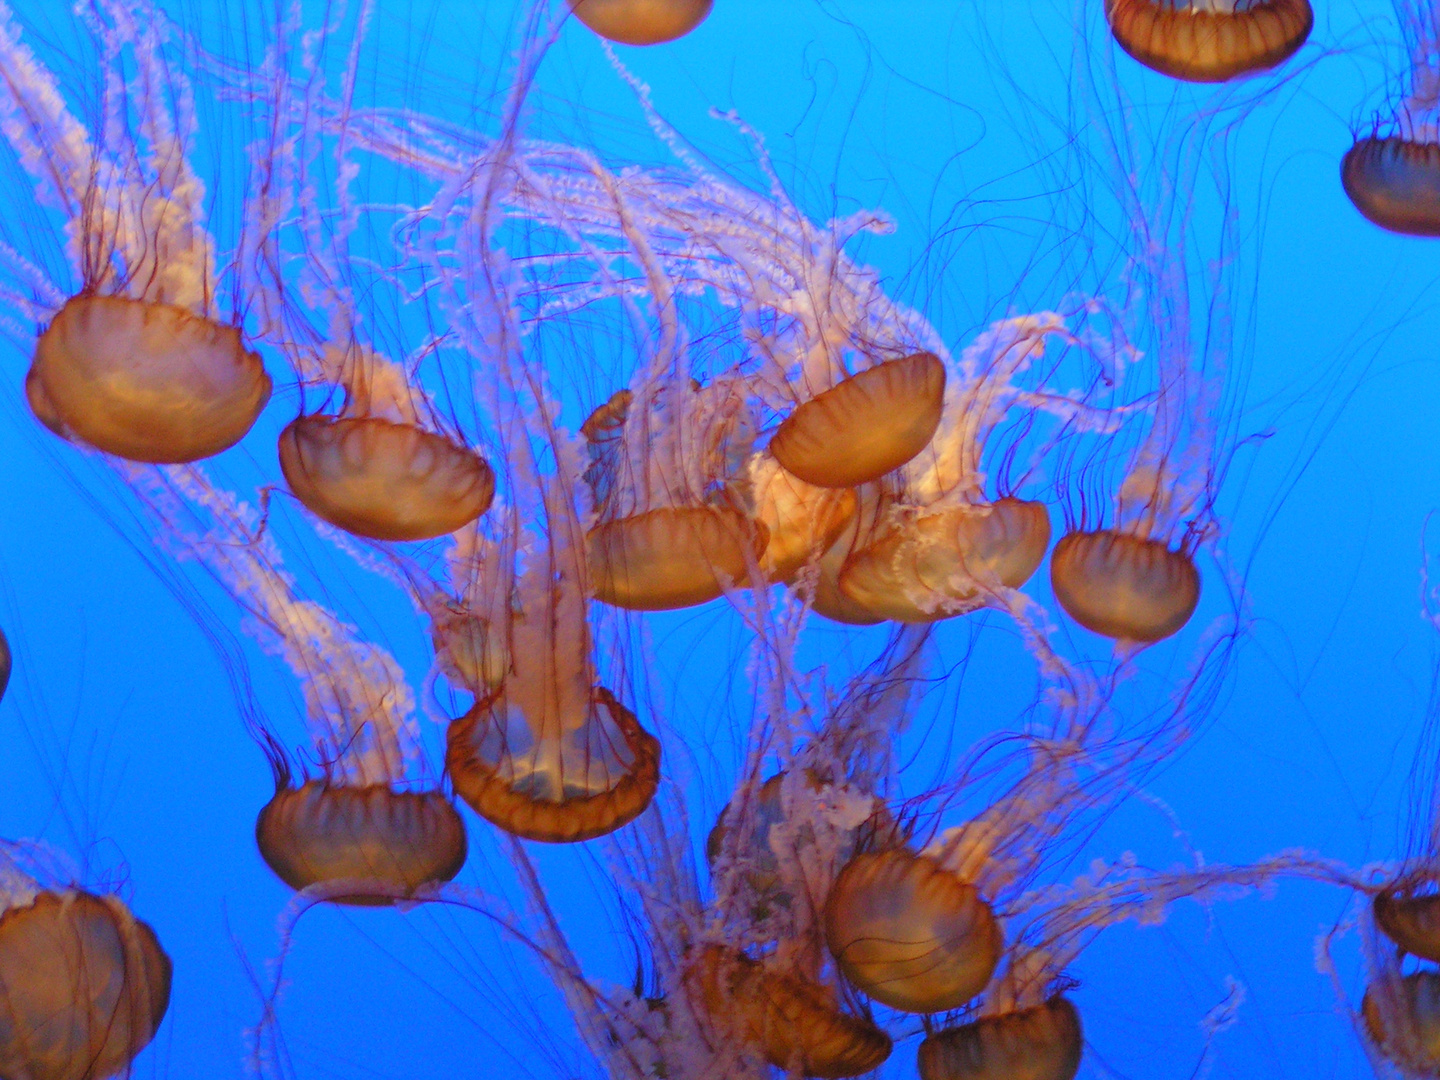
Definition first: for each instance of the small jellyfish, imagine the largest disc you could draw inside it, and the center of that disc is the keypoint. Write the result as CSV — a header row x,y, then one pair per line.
x,y
865,425
1402,1018
1124,586
641,22
1209,41
1041,1043
796,1023
910,933
84,986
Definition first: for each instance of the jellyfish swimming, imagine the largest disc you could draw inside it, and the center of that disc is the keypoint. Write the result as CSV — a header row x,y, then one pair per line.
x,y
1040,1043
1209,41
641,22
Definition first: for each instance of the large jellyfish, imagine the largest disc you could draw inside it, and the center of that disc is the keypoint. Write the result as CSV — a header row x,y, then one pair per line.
x,y
1208,41
641,22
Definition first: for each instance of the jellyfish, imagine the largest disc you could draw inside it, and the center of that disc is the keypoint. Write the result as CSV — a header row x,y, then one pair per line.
x,y
1392,174
84,985
641,22
1210,41
5,662
138,361
1402,1018
1039,1043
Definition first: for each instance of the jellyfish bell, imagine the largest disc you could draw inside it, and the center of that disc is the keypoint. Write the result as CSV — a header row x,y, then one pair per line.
x,y
909,933
928,566
641,22
673,557
1411,921
1042,1043
1395,183
1124,586
399,841
1210,41
864,426
383,479
5,662
147,381
801,521
84,986
1402,1018
794,1022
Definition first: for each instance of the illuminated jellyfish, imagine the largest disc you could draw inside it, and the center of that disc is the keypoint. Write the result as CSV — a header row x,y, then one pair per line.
x,y
1039,1043
84,985
362,832
1392,175
137,361
641,22
1209,41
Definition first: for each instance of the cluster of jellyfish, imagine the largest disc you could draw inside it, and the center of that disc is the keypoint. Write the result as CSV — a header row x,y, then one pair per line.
x,y
824,456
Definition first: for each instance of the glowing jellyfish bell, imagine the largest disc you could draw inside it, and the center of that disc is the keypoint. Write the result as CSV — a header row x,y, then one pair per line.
x,y
1392,175
137,362
1039,1043
84,985
802,522
1208,41
674,525
1411,919
641,22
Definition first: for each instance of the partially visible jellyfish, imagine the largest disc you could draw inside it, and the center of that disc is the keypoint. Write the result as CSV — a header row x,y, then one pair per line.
x,y
1392,174
641,22
1210,41
138,360
84,985
5,662
1042,1042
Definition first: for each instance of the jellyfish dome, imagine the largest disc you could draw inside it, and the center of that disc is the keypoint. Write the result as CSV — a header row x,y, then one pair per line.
x,y
1124,586
641,22
801,521
1411,921
1042,1043
401,840
1395,183
1402,1018
1209,41
84,986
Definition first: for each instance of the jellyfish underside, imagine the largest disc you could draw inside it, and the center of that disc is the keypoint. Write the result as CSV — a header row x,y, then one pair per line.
x,y
789,1019
1123,586
641,22
146,381
400,841
909,933
1411,922
83,987
1209,41
382,480
1395,183
864,426
1402,1018
584,780
1042,1043
924,568
673,557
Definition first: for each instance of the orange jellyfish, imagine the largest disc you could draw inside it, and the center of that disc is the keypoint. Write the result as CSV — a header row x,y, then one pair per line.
x,y
797,1023
1209,41
1402,1018
910,933
802,522
673,527
138,361
1040,1043
84,984
1411,920
1392,175
641,22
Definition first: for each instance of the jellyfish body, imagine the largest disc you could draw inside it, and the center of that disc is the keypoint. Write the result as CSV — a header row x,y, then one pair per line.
x,y
557,779
399,840
673,557
801,520
83,987
923,568
147,381
1123,586
5,662
641,22
764,873
1042,1043
790,1019
1209,41
1411,922
909,933
865,426
1395,183
1402,1018
384,480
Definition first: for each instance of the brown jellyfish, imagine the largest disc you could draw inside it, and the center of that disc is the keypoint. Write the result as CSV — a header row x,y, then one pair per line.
x,y
83,987
864,426
401,841
1402,1018
1209,41
1124,586
1395,183
910,933
1411,922
793,1022
764,878
1042,1043
641,22
801,521
148,381
673,527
